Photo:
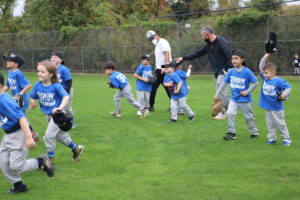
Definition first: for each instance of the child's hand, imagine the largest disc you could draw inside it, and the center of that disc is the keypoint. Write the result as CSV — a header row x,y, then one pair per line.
x,y
145,80
176,92
29,143
266,56
33,104
190,66
55,110
216,99
244,93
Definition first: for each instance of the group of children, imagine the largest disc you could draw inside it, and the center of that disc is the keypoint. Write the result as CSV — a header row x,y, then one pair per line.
x,y
54,92
175,81
274,90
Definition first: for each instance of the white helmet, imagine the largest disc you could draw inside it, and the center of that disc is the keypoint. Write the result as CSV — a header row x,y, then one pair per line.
x,y
150,35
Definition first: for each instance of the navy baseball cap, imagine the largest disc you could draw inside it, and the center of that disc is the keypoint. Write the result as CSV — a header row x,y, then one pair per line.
x,y
239,53
1,79
60,55
170,64
145,57
14,58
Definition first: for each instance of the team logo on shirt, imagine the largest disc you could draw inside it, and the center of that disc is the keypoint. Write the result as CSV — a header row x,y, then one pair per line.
x,y
146,74
269,89
46,99
237,82
12,83
3,120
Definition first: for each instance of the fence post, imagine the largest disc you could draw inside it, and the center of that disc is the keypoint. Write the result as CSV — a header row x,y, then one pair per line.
x,y
82,63
32,58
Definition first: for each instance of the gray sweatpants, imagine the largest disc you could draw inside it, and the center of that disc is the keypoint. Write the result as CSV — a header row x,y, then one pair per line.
x,y
68,108
13,154
54,133
224,94
127,93
247,111
275,120
143,98
180,103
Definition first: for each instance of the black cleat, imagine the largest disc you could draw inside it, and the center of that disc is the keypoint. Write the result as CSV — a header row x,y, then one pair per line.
x,y
229,136
151,109
252,136
17,190
172,120
192,118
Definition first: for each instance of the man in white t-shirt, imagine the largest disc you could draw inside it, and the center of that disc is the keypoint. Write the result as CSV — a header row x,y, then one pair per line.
x,y
162,56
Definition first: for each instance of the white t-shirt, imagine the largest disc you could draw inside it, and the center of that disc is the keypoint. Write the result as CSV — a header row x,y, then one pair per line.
x,y
161,46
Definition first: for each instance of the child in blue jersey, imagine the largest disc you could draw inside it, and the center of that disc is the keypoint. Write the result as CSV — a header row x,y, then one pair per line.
x,y
18,84
271,100
239,79
52,98
178,93
120,81
15,144
65,79
183,76
143,86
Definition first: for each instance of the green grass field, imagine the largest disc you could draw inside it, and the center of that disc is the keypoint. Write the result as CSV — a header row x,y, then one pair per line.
x,y
131,158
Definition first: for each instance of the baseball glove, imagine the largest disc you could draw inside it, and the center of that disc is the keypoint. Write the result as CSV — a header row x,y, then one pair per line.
x,y
270,45
216,108
279,96
152,79
172,88
20,100
110,84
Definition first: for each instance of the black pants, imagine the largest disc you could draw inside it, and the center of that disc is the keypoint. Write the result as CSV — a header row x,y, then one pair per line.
x,y
160,80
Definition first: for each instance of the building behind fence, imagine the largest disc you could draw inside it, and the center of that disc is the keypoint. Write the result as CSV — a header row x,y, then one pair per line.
x,y
89,50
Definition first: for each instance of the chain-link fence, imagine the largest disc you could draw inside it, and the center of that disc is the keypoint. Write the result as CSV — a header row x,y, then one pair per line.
x,y
89,50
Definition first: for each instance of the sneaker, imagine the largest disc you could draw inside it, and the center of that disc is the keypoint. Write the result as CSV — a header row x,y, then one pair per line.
x,y
17,190
192,118
220,116
172,120
144,113
116,113
35,136
271,141
47,165
229,136
252,136
286,142
151,109
139,113
77,152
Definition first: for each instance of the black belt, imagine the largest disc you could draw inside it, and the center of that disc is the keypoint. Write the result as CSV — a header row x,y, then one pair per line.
x,y
13,129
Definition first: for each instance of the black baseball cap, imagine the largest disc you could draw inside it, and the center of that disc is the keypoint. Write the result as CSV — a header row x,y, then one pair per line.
x,y
239,53
1,79
170,64
60,55
145,57
14,58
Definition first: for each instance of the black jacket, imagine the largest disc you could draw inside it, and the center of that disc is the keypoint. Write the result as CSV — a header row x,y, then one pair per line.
x,y
218,53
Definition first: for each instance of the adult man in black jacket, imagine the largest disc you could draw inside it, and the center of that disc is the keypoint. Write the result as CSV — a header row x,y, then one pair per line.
x,y
218,52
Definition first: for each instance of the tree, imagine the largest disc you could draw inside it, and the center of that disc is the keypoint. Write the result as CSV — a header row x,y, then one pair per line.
x,y
6,7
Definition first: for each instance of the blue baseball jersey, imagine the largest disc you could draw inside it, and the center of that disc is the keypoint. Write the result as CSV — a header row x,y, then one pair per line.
x,y
175,80
10,112
50,96
64,75
118,80
182,76
145,72
268,93
239,81
16,81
